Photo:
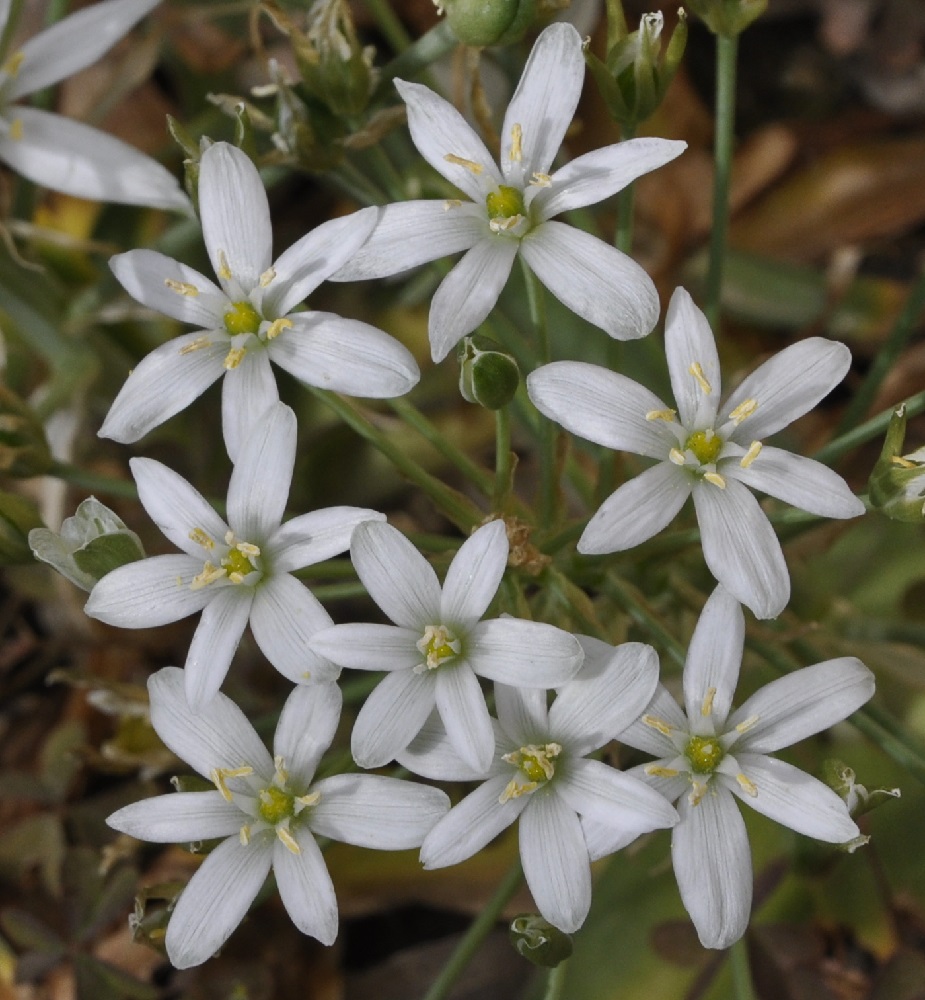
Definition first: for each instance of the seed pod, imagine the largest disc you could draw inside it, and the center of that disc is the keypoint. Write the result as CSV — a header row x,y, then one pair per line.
x,y
488,375
489,22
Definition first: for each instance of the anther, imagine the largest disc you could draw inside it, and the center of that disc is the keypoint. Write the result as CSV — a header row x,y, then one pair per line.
x,y
698,790
745,409
903,463
707,707
219,775
517,135
676,456
747,785
208,575
182,288
277,327
198,536
716,479
245,835
661,772
16,129
667,415
743,727
224,271
288,840
503,225
540,180
697,371
197,345
279,764
461,161
753,452
654,722
11,66
268,275
451,203
234,357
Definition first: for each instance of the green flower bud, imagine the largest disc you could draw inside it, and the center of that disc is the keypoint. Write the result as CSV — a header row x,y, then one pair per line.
x,y
489,22
728,17
90,544
24,451
488,375
538,941
897,482
859,800
18,516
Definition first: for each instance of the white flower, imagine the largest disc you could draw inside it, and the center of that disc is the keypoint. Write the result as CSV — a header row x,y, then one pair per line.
x,y
249,321
540,773
438,647
235,572
64,154
511,209
706,451
268,808
710,753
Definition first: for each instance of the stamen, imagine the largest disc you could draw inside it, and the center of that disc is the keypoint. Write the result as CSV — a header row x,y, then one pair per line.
x,y
517,135
224,271
219,775
277,327
716,479
697,371
460,161
197,345
698,790
747,785
743,727
451,203
745,409
198,536
311,799
676,456
654,722
667,415
661,772
182,288
282,775
245,835
248,549
11,66
438,644
707,707
16,127
903,463
268,275
286,837
208,575
753,452
540,180
516,788
503,225
234,357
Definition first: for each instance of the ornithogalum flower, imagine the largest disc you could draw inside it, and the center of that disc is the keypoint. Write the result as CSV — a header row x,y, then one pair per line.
x,y
706,450
269,809
540,773
512,208
709,754
235,572
249,321
438,647
64,154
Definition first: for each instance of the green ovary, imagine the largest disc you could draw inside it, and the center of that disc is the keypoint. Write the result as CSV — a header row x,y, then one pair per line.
x,y
274,805
505,203
706,446
704,753
242,317
237,562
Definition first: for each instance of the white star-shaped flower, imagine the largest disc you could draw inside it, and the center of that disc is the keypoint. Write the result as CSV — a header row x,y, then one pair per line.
x,y
512,208
235,572
438,647
709,754
64,154
540,772
705,450
249,321
270,810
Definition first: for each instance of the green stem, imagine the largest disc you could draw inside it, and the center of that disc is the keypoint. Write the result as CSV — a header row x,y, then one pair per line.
x,y
93,481
473,938
12,23
742,983
503,467
633,604
867,431
537,306
726,54
555,982
389,24
885,357
418,56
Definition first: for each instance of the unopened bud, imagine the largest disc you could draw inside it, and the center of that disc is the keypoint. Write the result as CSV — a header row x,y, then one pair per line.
x,y
859,800
488,22
897,482
538,941
488,375
728,17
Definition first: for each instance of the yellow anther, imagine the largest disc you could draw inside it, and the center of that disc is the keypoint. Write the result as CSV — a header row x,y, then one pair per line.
x,y
667,415
11,66
676,456
451,203
288,840
234,357
503,225
747,785
197,345
236,577
535,763
279,763
516,788
745,409
268,275
438,644
208,575
743,727
517,136
903,463
311,799
697,371
219,775
248,549
698,790
198,536
654,722
707,707
661,772
461,161
540,180
224,271
753,452
182,288
716,479
245,835
277,327
15,132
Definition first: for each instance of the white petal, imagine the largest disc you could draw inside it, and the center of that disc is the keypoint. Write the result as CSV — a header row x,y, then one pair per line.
x,y
462,708
601,173
215,642
556,863
145,274
802,703
665,709
179,817
439,130
305,886
469,292
474,575
601,406
284,617
712,863
431,755
637,510
793,798
741,549
369,810
66,155
235,217
215,901
398,578
314,537
369,647
306,727
469,826
799,481
545,100
609,693
74,43
392,716
262,474
522,714
147,593
523,653
313,259
689,341
411,233
603,793
593,279
175,506
219,736
344,355
714,656
247,391
789,385
164,383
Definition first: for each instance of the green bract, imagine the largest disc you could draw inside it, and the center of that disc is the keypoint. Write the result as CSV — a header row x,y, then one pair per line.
x,y
897,482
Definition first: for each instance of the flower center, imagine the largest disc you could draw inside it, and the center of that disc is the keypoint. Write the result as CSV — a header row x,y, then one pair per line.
x,y
505,208
437,645
704,753
533,763
242,317
274,805
706,446
240,561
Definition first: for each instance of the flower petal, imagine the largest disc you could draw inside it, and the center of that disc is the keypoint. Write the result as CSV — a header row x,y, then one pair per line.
x,y
741,549
215,642
802,704
215,901
370,810
713,866
601,406
247,391
523,653
147,593
305,886
664,710
592,278
316,536
469,292
789,385
522,714
235,218
306,728
392,716
178,817
600,792
688,342
344,355
369,647
462,708
474,575
169,287
555,860
431,755
637,510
